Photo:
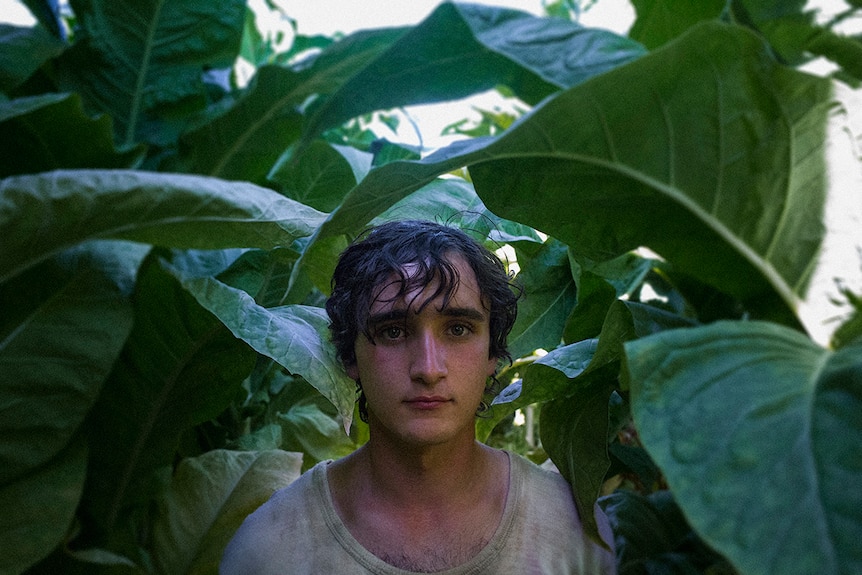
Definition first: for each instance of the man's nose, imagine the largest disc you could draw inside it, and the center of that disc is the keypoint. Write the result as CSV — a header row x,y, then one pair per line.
x,y
428,362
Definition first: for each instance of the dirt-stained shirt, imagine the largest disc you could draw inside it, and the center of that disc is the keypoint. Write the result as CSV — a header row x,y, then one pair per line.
x,y
299,532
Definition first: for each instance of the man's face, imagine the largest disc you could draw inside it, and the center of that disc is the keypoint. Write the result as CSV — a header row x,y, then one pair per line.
x,y
424,375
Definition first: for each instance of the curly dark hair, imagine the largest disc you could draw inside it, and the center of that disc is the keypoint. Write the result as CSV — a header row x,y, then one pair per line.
x,y
426,247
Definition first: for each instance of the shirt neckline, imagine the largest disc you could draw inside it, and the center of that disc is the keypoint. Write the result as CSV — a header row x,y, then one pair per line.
x,y
477,564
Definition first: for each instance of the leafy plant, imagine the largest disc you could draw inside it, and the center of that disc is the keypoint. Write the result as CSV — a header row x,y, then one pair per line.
x,y
169,233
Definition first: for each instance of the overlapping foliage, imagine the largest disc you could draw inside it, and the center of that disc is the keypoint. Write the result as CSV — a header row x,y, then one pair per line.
x,y
168,237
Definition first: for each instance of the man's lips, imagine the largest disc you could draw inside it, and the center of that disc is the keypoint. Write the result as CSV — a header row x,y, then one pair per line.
x,y
426,401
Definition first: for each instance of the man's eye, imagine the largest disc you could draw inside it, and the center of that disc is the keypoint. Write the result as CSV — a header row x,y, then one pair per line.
x,y
459,330
391,332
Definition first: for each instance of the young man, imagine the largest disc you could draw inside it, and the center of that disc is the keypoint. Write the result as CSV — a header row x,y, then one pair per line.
x,y
419,315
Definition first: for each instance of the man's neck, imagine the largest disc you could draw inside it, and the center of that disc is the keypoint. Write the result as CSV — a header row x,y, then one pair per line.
x,y
402,506
427,474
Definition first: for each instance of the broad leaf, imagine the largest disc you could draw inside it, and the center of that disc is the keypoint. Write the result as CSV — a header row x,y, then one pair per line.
x,y
578,168
134,56
757,431
575,434
44,133
170,210
549,297
208,498
38,509
457,51
322,174
24,50
660,21
180,367
295,336
482,46
62,327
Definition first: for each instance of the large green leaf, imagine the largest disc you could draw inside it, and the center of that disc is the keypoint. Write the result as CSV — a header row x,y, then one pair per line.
x,y
660,21
295,336
44,133
549,296
461,49
45,213
757,431
457,51
38,509
731,166
62,326
180,367
208,498
24,50
134,56
574,432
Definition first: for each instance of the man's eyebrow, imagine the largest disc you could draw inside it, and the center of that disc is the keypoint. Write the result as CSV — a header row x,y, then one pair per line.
x,y
465,312
387,316
402,314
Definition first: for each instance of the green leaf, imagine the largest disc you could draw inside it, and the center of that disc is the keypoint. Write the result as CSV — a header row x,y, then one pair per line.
x,y
652,536
132,57
62,327
38,508
180,367
660,21
207,500
322,174
315,433
757,432
24,51
574,432
549,296
44,133
699,187
247,140
462,49
598,287
295,336
170,210
457,51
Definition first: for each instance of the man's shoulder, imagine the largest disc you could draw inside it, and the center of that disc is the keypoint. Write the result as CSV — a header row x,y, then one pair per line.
x,y
287,515
542,481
